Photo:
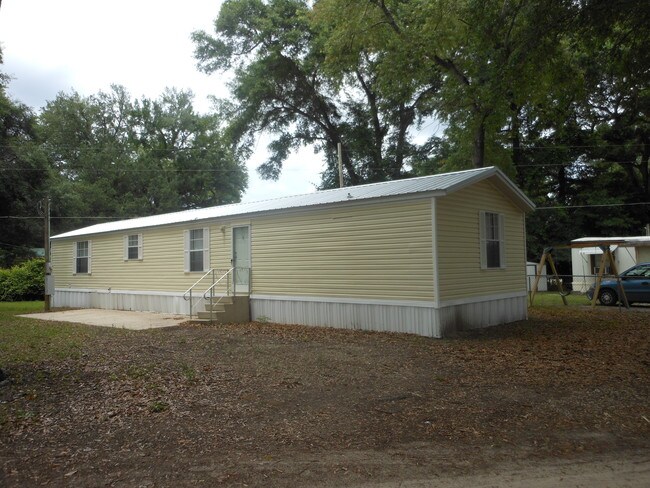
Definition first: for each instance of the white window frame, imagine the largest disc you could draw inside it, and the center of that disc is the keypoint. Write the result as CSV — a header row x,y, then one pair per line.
x,y
205,250
76,257
485,239
128,246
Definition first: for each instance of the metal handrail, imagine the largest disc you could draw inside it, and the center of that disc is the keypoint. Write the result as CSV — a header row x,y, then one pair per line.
x,y
189,290
210,290
215,283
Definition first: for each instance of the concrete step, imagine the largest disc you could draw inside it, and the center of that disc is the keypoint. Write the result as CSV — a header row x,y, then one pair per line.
x,y
207,316
227,311
220,300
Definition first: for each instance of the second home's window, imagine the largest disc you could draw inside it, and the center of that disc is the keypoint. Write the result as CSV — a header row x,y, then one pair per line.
x,y
82,257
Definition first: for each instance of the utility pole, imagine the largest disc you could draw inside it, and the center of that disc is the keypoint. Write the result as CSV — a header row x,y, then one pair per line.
x,y
48,266
340,151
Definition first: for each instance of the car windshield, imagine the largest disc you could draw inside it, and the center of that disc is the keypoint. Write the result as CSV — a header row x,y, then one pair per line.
x,y
641,271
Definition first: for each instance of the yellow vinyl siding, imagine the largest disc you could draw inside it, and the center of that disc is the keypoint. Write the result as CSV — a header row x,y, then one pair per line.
x,y
161,267
458,234
380,250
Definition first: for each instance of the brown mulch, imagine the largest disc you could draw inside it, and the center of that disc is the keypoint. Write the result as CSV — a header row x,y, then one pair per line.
x,y
274,405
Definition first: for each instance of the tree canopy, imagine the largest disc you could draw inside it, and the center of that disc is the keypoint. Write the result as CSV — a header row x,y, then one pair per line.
x,y
23,176
554,92
108,156
128,158
283,86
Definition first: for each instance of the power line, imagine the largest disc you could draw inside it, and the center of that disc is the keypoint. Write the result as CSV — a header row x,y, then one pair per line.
x,y
117,169
232,170
593,206
584,163
19,217
206,148
13,245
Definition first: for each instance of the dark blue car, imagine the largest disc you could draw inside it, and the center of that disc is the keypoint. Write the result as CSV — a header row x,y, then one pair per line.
x,y
635,281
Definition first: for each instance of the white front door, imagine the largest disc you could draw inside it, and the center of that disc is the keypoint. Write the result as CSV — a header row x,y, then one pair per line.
x,y
241,256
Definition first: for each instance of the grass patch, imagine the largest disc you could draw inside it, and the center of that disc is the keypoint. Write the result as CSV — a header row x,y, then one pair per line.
x,y
16,308
28,340
158,406
188,371
553,299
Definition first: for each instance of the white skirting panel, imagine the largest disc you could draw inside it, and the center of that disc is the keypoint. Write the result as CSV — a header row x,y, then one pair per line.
x,y
364,316
121,300
476,315
417,319
421,318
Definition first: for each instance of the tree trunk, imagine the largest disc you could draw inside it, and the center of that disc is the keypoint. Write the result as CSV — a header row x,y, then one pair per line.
x,y
353,177
478,155
515,137
406,117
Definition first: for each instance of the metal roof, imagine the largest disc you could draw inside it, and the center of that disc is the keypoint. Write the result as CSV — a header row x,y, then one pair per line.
x,y
621,241
435,184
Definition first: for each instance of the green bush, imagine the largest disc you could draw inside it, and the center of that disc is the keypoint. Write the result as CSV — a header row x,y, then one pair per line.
x,y
25,281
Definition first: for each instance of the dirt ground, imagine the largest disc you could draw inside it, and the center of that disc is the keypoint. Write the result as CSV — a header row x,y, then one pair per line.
x,y
565,394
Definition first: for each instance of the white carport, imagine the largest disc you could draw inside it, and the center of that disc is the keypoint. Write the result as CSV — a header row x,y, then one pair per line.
x,y
585,261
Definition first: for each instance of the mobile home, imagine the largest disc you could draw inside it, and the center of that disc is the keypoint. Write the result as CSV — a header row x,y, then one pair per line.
x,y
428,255
585,261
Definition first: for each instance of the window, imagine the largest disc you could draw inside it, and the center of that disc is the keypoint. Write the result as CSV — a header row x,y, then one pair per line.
x,y
492,240
197,250
595,264
82,257
133,247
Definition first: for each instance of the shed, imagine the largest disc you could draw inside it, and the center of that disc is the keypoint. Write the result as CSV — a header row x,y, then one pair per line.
x,y
627,252
427,255
531,273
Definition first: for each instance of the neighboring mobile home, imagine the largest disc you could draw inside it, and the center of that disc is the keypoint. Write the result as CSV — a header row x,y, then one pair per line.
x,y
585,261
428,255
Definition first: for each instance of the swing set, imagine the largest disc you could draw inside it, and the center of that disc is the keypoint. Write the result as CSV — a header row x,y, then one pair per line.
x,y
607,257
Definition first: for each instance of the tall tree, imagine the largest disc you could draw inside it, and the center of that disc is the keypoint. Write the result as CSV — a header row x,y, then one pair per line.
x,y
120,158
282,87
614,55
588,147
492,56
23,178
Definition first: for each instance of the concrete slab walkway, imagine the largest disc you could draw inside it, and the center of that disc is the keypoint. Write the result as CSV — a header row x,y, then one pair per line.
x,y
121,319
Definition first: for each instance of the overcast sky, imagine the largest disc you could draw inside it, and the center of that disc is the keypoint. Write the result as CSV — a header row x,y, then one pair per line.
x,y
84,45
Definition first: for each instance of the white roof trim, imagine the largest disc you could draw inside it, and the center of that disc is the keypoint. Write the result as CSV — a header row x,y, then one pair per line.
x,y
621,241
596,250
424,185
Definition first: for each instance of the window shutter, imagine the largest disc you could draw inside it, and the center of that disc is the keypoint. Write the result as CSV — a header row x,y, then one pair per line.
x,y
206,249
74,258
186,237
90,254
126,248
482,240
140,246
502,241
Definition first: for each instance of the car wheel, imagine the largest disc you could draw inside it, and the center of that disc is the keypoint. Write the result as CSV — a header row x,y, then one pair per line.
x,y
608,297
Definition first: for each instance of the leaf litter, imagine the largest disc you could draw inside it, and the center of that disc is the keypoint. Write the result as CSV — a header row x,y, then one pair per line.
x,y
279,405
